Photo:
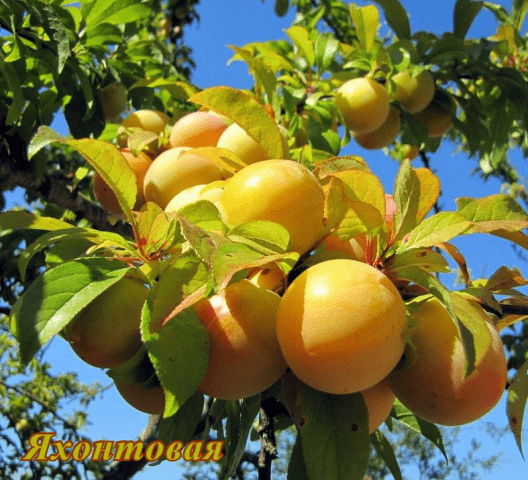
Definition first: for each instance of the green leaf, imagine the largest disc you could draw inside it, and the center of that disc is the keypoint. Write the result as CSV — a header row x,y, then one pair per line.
x,y
463,16
436,229
366,20
116,12
104,157
517,397
474,332
407,191
334,432
155,230
263,74
386,453
301,38
245,110
296,466
231,258
519,9
179,352
95,236
15,87
274,238
428,281
15,220
182,425
186,275
396,17
246,409
203,214
427,429
56,297
425,258
326,47
360,218
281,7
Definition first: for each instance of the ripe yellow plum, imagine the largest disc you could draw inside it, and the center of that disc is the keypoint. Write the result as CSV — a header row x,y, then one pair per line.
x,y
146,400
237,140
437,116
104,338
383,135
281,191
270,277
364,104
378,400
197,129
150,120
176,170
193,194
244,357
340,326
414,93
139,164
432,384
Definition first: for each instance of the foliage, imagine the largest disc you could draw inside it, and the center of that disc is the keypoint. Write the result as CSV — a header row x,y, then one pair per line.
x,y
61,56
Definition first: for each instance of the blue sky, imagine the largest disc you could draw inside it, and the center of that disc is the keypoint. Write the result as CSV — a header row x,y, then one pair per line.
x,y
237,22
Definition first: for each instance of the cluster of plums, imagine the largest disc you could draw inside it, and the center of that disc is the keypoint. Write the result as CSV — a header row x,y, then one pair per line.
x,y
340,326
374,123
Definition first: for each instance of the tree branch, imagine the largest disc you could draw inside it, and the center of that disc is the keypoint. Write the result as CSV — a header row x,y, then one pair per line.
x,y
51,190
268,446
123,469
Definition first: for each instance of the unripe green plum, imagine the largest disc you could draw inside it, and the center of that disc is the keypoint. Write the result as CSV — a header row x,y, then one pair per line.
x,y
364,104
107,331
281,191
340,326
197,129
383,135
431,382
244,356
113,99
176,170
414,93
139,164
237,140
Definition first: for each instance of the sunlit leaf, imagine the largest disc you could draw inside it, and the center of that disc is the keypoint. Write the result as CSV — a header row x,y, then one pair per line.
x,y
517,397
366,20
56,297
244,109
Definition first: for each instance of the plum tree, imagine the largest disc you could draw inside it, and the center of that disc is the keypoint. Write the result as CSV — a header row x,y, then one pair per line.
x,y
139,164
146,400
175,170
383,135
281,191
197,129
102,338
378,399
363,103
244,356
413,92
362,343
431,380
238,141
